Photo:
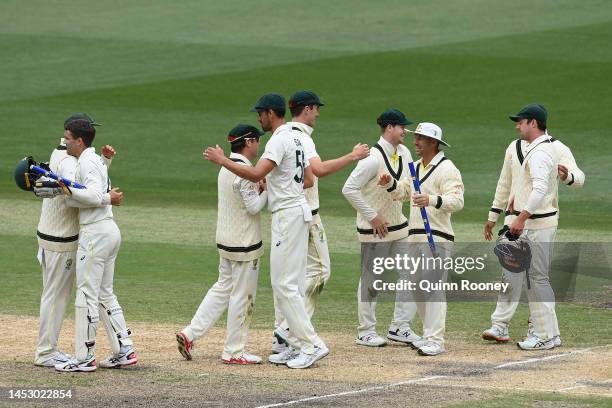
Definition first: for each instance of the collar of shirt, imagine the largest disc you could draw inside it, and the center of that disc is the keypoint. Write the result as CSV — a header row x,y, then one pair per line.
x,y
87,152
389,149
241,157
282,128
538,140
302,126
62,142
435,161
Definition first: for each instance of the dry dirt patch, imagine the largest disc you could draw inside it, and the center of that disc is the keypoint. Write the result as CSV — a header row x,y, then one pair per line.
x,y
163,377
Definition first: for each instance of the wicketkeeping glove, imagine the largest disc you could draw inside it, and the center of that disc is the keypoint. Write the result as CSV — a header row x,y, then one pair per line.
x,y
48,192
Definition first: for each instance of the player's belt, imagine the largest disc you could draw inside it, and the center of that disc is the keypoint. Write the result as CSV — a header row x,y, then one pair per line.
x,y
534,216
51,238
390,229
441,234
315,212
241,249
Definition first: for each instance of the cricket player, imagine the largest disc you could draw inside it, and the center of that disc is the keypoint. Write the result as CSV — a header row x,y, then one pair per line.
x,y
240,247
380,220
58,234
572,176
99,241
287,172
305,109
441,195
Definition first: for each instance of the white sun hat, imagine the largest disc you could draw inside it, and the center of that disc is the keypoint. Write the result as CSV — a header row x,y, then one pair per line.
x,y
432,130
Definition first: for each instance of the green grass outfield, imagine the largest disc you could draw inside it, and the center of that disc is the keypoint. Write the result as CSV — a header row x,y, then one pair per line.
x,y
166,81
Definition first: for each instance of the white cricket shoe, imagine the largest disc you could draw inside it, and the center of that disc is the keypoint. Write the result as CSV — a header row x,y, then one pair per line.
x,y
418,344
278,347
59,357
304,360
244,358
280,344
281,334
431,348
73,365
406,336
496,334
535,343
371,340
530,333
284,357
126,357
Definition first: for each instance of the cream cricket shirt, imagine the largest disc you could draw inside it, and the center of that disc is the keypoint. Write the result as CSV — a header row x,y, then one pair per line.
x,y
311,193
513,162
238,221
286,180
94,201
536,190
362,191
58,227
441,180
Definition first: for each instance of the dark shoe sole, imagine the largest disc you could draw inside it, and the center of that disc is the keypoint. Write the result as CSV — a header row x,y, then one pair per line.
x,y
182,347
493,338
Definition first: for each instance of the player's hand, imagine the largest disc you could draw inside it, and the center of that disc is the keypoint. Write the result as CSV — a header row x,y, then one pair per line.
x,y
379,224
360,151
517,226
109,151
64,188
116,196
263,186
488,230
384,180
420,200
214,154
563,172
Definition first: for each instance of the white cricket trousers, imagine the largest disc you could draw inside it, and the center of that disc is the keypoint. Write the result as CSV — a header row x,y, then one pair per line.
x,y
98,247
541,297
235,291
432,305
404,311
318,270
58,269
288,252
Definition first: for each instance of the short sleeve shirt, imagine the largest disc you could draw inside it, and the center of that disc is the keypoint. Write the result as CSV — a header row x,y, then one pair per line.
x,y
286,180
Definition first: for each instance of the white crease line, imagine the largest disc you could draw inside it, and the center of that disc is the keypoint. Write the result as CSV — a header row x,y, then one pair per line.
x,y
535,360
424,379
578,385
571,388
552,357
340,394
486,387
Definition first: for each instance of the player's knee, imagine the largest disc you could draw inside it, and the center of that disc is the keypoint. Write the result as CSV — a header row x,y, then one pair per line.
x,y
109,306
282,291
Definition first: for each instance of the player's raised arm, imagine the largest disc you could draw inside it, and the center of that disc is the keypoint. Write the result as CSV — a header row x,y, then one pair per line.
x,y
254,174
324,168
